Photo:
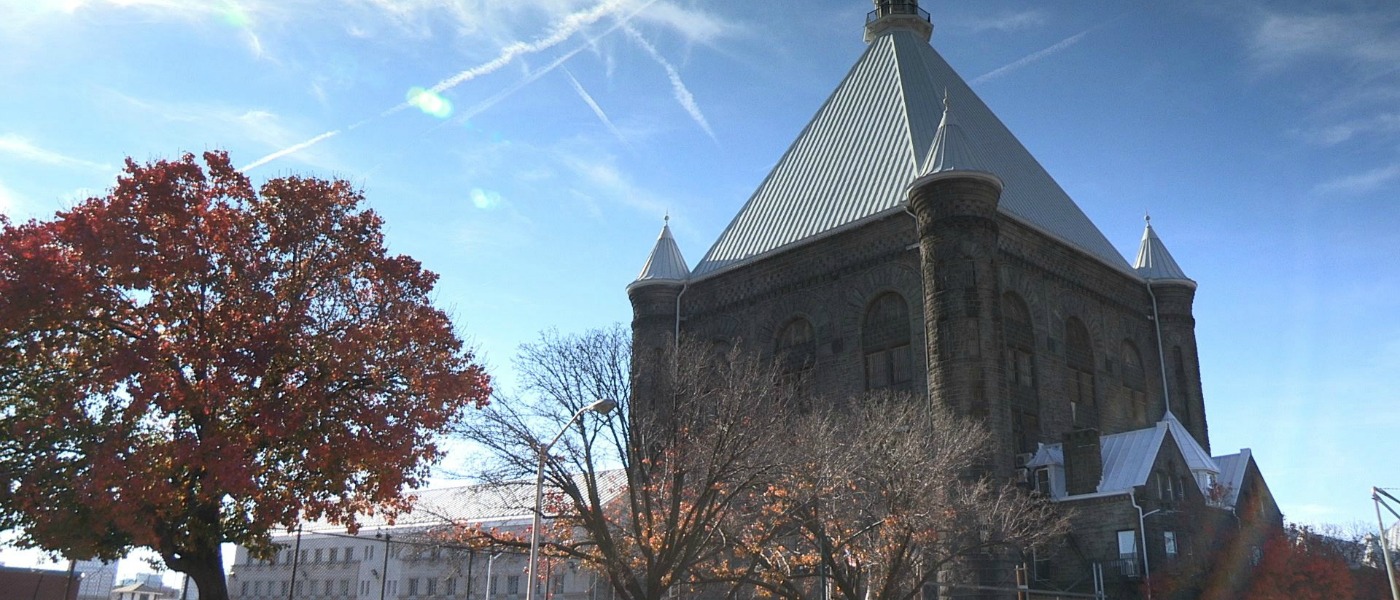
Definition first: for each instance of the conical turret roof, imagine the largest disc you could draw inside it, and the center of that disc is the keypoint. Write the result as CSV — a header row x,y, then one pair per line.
x,y
951,150
665,264
1154,263
870,140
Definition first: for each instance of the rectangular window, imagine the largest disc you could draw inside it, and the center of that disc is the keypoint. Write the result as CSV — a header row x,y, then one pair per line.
x,y
413,586
318,555
345,587
349,553
432,587
1169,542
494,581
303,556
1127,544
283,588
333,554
513,585
369,552
449,586
244,588
1042,480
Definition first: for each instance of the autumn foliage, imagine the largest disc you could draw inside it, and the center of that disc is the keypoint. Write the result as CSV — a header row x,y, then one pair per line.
x,y
189,361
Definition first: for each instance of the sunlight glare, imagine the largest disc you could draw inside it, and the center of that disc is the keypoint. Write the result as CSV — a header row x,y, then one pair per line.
x,y
430,102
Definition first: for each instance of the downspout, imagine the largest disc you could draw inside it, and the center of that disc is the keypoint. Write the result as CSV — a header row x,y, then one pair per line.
x,y
1161,352
1142,529
676,339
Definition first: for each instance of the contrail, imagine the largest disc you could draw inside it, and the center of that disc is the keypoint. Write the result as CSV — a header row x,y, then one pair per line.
x,y
554,64
682,93
1058,46
567,27
290,149
570,25
597,110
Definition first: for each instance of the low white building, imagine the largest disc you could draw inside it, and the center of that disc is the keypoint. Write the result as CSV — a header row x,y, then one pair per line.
x,y
413,558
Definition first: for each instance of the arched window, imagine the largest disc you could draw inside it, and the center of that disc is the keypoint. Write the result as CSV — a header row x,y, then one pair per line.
x,y
1134,382
1020,372
1079,380
885,341
796,346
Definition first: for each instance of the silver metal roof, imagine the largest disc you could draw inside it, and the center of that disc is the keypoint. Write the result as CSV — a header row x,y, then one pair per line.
x,y
869,140
1154,263
951,150
1232,470
1128,457
665,264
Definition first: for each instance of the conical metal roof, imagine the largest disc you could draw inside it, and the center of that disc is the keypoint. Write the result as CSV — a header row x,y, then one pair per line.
x,y
872,137
1154,263
665,264
951,150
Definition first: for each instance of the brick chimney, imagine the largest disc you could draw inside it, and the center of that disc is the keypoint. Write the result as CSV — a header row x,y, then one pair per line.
x,y
1083,463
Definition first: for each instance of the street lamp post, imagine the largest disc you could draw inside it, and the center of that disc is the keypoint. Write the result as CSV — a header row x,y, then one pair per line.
x,y
601,407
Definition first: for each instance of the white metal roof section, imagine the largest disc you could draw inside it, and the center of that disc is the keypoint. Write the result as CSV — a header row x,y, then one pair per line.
x,y
857,156
1047,455
1128,457
665,264
1154,263
1232,470
951,150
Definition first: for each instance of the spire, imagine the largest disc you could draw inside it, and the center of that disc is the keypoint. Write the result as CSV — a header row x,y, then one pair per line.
x,y
952,151
897,15
665,264
1154,263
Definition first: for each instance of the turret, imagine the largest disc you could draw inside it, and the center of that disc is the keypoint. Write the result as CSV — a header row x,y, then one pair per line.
x,y
1172,295
955,203
655,297
891,15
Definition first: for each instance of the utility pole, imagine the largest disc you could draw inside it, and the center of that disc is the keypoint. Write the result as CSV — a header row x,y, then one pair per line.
x,y
1376,494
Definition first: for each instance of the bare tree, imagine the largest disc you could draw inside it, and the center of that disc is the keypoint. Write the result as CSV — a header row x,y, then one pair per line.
x,y
877,498
642,497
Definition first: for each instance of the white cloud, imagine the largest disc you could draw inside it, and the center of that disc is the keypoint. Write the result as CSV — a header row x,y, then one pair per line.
x,y
20,147
593,104
1360,183
1279,40
10,200
1381,124
1006,21
485,199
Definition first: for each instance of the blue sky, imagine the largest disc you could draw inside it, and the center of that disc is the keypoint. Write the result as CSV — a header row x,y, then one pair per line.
x,y
533,174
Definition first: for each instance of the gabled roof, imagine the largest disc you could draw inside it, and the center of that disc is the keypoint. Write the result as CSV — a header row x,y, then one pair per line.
x,y
854,160
1128,457
1154,263
1232,470
665,264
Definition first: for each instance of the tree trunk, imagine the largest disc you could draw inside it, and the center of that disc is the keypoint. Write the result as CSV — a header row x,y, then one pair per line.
x,y
206,568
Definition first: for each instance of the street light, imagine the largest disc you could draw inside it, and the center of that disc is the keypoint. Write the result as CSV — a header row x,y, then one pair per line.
x,y
601,407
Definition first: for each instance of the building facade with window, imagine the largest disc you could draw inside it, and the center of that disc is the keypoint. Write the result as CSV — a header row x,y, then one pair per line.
x,y
906,240
414,558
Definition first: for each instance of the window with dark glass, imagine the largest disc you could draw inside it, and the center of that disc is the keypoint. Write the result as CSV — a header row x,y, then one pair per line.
x,y
796,346
1079,380
885,341
1020,372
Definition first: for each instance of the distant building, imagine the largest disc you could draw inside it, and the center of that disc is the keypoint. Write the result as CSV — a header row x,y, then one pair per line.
x,y
143,591
908,241
98,579
410,559
37,584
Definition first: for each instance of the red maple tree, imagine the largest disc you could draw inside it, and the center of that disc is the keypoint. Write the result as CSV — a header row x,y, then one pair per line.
x,y
189,361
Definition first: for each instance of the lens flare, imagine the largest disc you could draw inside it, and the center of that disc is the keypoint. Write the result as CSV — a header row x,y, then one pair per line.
x,y
430,102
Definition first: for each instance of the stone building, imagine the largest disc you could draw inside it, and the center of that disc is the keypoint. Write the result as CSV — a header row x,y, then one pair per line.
x,y
907,240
